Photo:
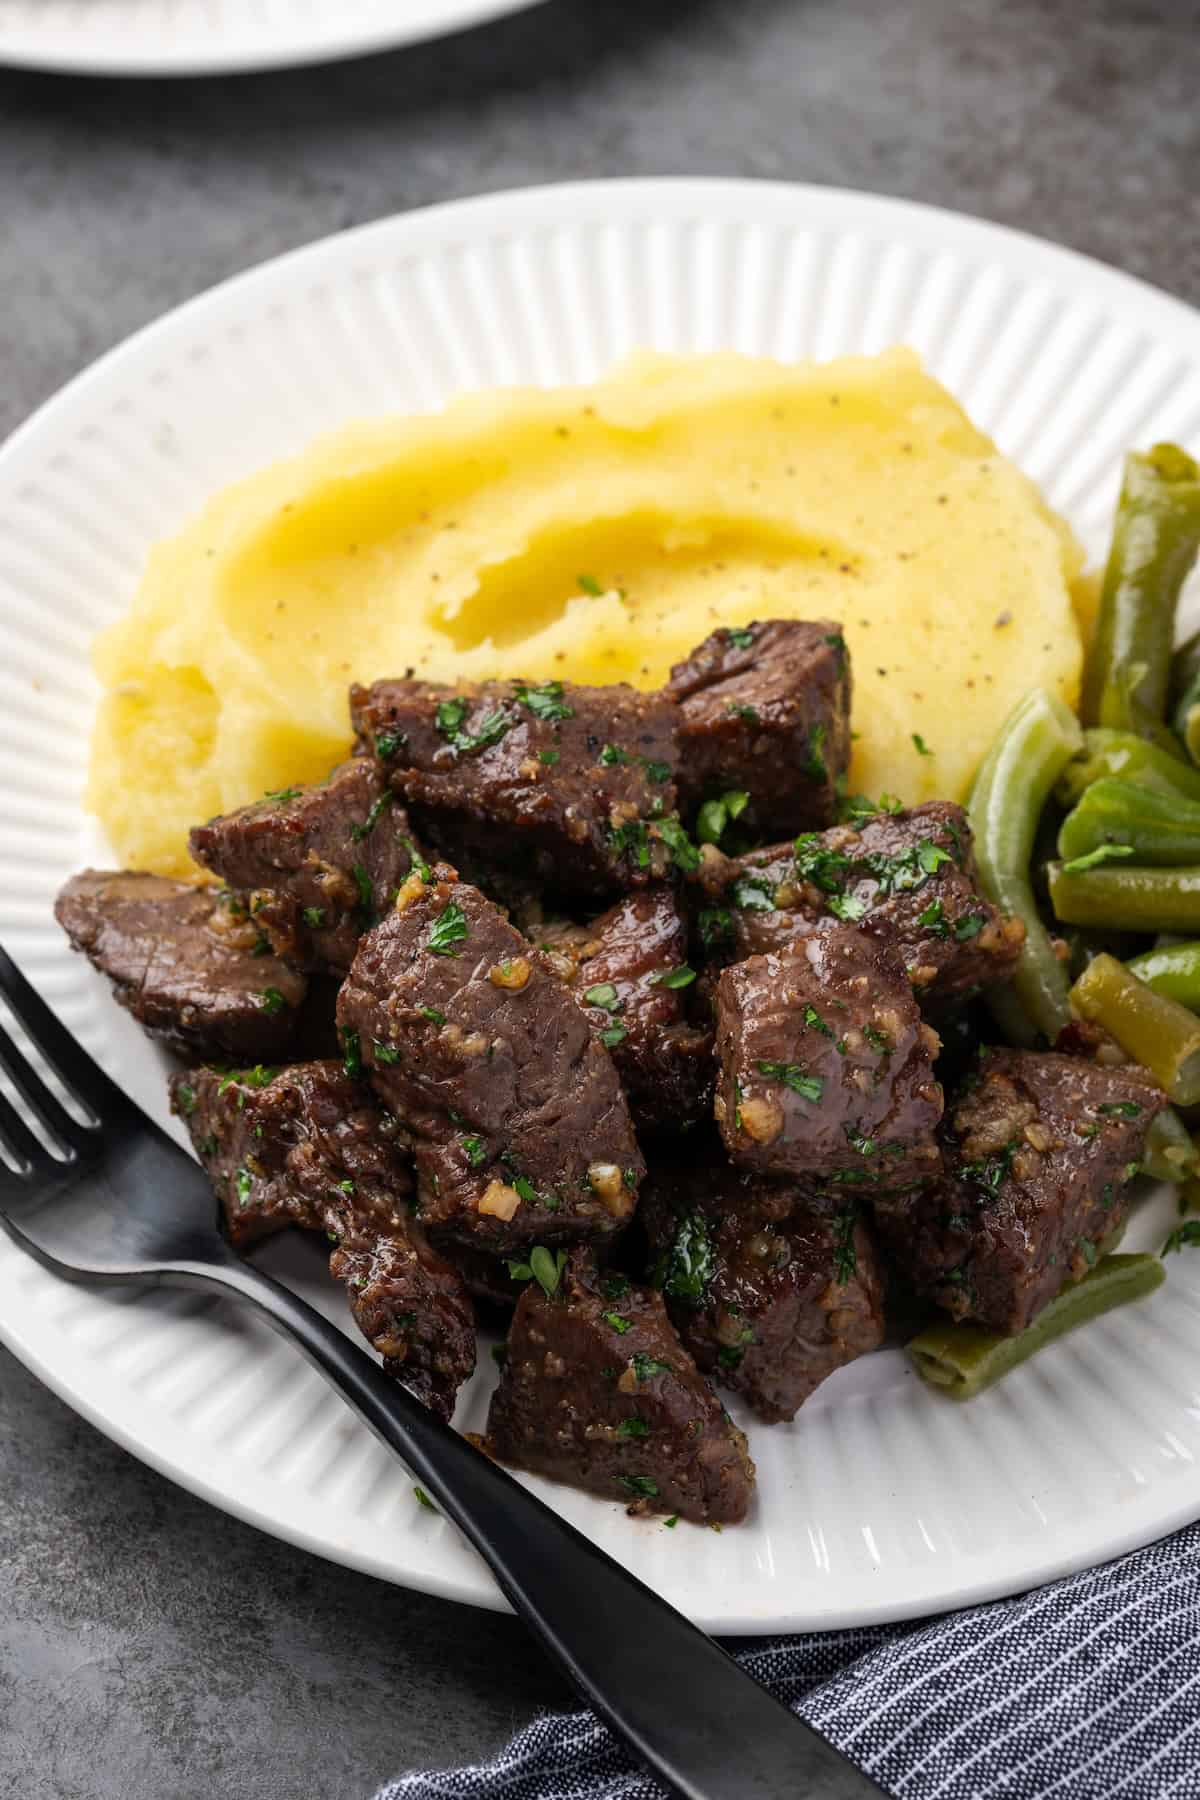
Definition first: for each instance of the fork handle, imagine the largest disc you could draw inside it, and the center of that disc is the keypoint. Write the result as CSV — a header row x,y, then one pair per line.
x,y
684,1708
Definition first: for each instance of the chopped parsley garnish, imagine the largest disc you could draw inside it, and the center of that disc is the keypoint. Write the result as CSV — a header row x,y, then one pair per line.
x,y
549,757
681,977
878,1040
934,920
366,894
449,717
716,926
847,906
473,1150
931,856
685,1269
815,1022
753,893
1187,1233
545,701
351,1052
619,1323
272,1000
858,808
546,1267
739,637
729,1356
738,710
424,1500
715,815
633,1427
243,1181
646,1367
281,796
629,1177
388,742
814,861
613,1035
587,584
630,840
813,762
795,1077
1120,1109
448,929
858,1140
604,995
919,744
489,731
615,1287
417,862
639,1484
969,926
657,772
991,1172
208,1146
684,853
612,755
378,808
432,1014
185,1097
260,1076
384,1053
845,1257
261,945
1079,865
314,917
671,1523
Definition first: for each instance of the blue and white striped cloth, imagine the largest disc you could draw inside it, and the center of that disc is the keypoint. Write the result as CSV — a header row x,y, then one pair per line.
x,y
1085,1690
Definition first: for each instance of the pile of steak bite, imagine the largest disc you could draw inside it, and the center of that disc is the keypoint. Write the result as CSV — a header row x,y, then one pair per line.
x,y
482,1010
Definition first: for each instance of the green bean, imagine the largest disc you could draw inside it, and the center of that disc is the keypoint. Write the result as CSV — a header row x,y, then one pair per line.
x,y
1151,1028
962,1360
1014,781
1172,969
1156,534
1127,899
1132,759
1185,694
1116,819
1170,1154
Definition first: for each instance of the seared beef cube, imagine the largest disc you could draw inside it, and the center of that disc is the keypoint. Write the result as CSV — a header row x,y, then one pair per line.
x,y
187,962
908,878
520,1128
597,1390
320,863
309,1146
629,971
1040,1149
769,1288
765,711
572,787
826,1071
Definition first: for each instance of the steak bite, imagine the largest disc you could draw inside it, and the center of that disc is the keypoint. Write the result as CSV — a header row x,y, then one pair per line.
x,y
188,962
826,1070
520,1127
320,863
1040,1149
908,878
629,971
765,711
309,1146
769,1289
572,787
597,1390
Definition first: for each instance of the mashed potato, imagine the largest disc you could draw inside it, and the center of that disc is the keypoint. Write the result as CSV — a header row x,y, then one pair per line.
x,y
594,534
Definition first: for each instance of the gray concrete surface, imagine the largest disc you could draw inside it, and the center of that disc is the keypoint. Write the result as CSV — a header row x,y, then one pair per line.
x,y
151,1649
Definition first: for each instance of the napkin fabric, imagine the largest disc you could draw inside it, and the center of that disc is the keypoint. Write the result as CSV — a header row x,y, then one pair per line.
x,y
1085,1690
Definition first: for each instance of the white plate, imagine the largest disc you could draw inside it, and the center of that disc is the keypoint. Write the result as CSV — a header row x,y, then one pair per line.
x,y
221,37
882,1500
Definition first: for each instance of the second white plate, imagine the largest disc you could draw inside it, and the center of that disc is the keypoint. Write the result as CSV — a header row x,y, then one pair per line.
x,y
882,1500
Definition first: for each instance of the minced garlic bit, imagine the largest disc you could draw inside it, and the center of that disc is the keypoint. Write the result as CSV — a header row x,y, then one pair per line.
x,y
605,1180
760,1119
411,888
513,972
499,1201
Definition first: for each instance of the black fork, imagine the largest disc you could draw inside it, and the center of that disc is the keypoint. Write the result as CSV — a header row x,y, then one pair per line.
x,y
121,1202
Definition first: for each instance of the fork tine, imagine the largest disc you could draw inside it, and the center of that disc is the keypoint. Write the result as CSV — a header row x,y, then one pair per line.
x,y
16,1137
41,1099
77,1071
